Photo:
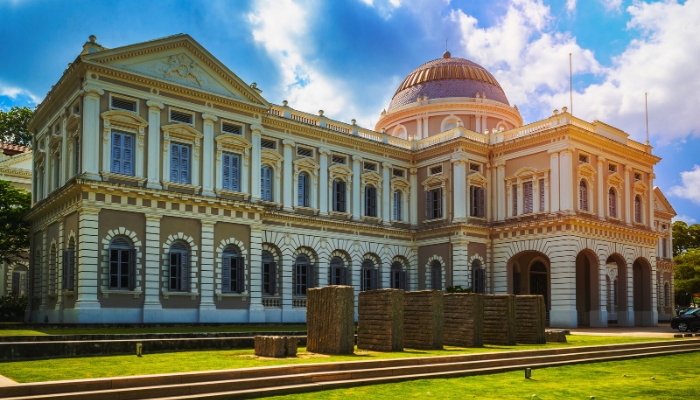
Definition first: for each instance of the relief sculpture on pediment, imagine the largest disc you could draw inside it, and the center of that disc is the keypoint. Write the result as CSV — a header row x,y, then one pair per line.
x,y
180,68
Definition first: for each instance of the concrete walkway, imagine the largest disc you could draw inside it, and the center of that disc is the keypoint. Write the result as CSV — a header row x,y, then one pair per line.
x,y
661,331
7,381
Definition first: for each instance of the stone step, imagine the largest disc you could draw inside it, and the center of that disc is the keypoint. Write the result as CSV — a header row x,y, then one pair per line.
x,y
256,378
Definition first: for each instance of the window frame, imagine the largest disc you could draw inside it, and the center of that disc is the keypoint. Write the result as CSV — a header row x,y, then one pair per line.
x,y
301,286
121,250
369,275
232,271
399,276
339,197
190,163
182,278
267,191
370,197
434,198
234,172
303,189
182,111
269,274
127,98
112,170
338,272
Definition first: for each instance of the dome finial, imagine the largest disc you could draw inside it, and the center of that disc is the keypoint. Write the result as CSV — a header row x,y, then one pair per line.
x,y
446,54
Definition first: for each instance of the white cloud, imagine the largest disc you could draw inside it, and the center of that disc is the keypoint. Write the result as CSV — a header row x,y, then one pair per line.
x,y
690,189
13,92
570,5
611,4
688,220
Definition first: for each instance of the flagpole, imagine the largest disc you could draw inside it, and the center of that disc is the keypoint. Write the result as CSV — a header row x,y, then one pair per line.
x,y
646,106
571,87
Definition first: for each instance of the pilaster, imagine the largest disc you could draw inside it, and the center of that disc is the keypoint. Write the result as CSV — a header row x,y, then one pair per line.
x,y
256,310
501,194
88,260
64,152
460,199
566,188
628,194
601,189
256,161
207,308
154,151
323,184
208,159
356,188
413,200
460,261
554,182
152,308
91,133
386,194
650,203
288,175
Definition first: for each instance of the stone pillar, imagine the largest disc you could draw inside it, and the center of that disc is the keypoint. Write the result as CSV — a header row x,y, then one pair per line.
x,y
554,182
380,320
330,320
152,308
499,319
566,188
625,314
256,161
91,134
599,317
464,320
288,175
413,200
423,319
207,308
501,192
284,286
48,164
601,189
323,184
650,203
386,194
356,188
628,194
563,290
86,303
460,262
256,313
154,150
209,154
460,199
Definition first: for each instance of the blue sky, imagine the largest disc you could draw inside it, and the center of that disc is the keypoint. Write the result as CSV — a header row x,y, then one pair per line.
x,y
348,56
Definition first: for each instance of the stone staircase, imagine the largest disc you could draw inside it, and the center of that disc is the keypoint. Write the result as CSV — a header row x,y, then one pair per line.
x,y
270,381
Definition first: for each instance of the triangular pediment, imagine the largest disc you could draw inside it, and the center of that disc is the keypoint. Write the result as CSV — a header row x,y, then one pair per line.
x,y
18,161
661,203
181,60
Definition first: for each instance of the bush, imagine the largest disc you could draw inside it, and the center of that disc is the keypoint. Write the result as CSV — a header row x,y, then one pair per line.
x,y
458,289
12,308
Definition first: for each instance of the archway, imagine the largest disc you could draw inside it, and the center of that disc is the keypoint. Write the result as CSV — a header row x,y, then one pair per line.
x,y
588,290
623,312
641,293
529,273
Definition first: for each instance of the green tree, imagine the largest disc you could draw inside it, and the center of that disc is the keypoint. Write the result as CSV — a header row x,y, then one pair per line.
x,y
686,274
13,126
14,230
685,237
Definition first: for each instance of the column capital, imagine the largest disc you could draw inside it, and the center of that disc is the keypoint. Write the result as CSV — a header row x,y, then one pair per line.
x,y
324,150
92,91
257,128
652,175
155,105
386,166
211,118
288,143
357,159
413,170
209,223
459,157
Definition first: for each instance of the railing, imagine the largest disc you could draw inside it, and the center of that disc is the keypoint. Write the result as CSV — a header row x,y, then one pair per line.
x,y
303,119
526,130
338,128
299,303
272,302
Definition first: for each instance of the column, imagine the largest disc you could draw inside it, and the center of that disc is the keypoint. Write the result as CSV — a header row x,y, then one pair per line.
x,y
426,133
44,276
413,200
257,311
154,151
599,317
209,154
256,161
91,134
484,125
650,203
566,188
601,189
356,187
460,262
478,123
288,178
65,163
48,164
284,285
152,308
563,290
628,194
419,128
625,313
323,184
86,303
460,196
501,194
554,182
386,194
207,308
488,194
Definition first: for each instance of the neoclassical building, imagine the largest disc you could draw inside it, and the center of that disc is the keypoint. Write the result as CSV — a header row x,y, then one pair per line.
x,y
169,190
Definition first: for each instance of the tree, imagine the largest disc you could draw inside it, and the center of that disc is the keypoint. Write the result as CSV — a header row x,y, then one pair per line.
x,y
685,237
14,230
13,126
686,274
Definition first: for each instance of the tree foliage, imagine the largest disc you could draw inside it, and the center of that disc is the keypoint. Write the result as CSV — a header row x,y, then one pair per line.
x,y
14,230
13,126
685,237
687,273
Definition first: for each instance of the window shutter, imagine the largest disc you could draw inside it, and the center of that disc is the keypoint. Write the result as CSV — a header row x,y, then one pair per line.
x,y
343,276
342,194
132,269
116,152
273,279
427,204
240,274
71,269
184,273
77,156
185,164
515,200
472,201
481,201
439,203
527,197
127,155
235,173
174,163
226,274
226,172
300,189
332,273
374,278
65,270
542,194
402,280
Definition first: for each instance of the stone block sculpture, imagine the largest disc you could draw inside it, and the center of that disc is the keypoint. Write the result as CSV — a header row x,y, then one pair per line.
x,y
499,319
330,320
464,320
380,320
276,346
423,317
529,325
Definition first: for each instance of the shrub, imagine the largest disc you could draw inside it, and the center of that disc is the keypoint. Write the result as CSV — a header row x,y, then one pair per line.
x,y
12,307
458,289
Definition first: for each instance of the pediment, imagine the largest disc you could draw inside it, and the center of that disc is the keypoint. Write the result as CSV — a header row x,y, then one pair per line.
x,y
640,186
178,59
525,172
401,183
307,163
339,170
477,177
661,203
181,130
435,180
18,161
116,117
371,177
271,156
586,169
232,141
615,179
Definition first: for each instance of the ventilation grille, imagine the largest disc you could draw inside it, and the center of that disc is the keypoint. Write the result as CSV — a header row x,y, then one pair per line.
x,y
123,104
475,167
181,117
612,168
268,144
370,166
230,128
436,170
304,152
399,173
339,159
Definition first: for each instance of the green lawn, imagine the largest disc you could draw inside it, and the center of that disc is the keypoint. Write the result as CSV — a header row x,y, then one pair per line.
x,y
107,366
674,377
167,329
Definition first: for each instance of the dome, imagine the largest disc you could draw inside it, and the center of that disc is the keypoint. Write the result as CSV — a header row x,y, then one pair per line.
x,y
448,77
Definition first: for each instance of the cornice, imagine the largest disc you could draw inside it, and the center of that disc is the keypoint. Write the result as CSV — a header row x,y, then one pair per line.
x,y
420,109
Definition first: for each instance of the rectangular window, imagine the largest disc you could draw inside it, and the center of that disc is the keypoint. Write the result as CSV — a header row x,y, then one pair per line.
x,y
370,201
397,206
433,203
180,163
305,152
477,201
230,173
181,116
120,103
122,269
527,198
233,275
230,128
514,200
69,269
637,176
478,280
474,167
612,167
583,159
399,173
435,170
304,274
269,278
266,183
268,144
369,166
122,153
370,279
542,194
339,196
303,190
338,159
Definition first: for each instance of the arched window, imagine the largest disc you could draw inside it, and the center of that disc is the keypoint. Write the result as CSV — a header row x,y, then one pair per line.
x,y
478,277
233,271
339,273
69,266
52,270
612,203
266,183
303,190
370,276
304,275
398,276
19,281
269,274
370,201
179,267
582,196
122,264
397,205
638,209
339,196
436,275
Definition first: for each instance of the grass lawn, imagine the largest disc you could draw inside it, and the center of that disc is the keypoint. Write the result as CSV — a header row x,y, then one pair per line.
x,y
674,377
108,366
163,329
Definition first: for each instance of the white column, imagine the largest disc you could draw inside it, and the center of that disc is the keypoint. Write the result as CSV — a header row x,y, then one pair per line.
x,y
48,163
599,317
256,161
356,188
563,290
426,132
152,308
288,178
91,134
484,125
207,309
323,184
546,189
88,260
501,194
154,150
208,152
419,128
460,196
566,188
628,193
413,198
650,204
478,123
554,182
601,189
489,192
386,193
257,311
65,158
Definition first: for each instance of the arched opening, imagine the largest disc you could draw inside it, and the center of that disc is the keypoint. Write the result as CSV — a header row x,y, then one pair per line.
x,y
529,273
641,293
269,274
398,276
620,310
179,266
478,277
233,271
435,275
339,273
587,290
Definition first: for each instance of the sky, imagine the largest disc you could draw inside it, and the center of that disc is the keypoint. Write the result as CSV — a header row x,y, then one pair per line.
x,y
347,57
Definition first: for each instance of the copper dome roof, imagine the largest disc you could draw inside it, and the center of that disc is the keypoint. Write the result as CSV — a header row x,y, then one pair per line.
x,y
448,77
